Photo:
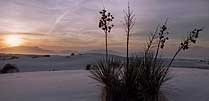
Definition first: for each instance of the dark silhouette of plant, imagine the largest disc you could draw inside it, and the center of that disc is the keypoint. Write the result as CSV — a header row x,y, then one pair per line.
x,y
105,23
72,54
9,68
88,66
145,76
108,74
140,82
151,78
141,78
150,41
185,44
154,71
129,21
161,37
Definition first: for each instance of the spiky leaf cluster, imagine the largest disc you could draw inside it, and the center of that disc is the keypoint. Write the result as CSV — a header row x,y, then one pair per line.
x,y
105,22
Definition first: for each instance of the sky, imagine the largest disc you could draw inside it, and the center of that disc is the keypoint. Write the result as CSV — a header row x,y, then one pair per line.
x,y
73,24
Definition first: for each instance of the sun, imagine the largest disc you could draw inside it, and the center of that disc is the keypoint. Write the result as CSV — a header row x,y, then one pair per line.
x,y
13,40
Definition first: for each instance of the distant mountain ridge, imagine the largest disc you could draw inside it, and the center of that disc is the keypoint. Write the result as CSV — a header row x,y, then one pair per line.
x,y
194,52
26,50
101,51
38,50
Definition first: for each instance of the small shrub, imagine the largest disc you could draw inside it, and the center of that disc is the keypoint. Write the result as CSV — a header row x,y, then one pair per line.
x,y
46,55
9,68
202,60
88,66
72,54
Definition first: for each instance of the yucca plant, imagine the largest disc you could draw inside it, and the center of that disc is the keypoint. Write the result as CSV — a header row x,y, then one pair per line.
x,y
156,70
153,71
137,78
151,77
144,77
108,73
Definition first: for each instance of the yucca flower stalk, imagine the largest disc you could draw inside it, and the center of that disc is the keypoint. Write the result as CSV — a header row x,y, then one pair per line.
x,y
105,23
185,44
162,37
129,21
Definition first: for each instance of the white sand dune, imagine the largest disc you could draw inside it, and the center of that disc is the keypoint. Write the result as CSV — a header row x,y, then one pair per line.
x,y
72,82
26,63
75,85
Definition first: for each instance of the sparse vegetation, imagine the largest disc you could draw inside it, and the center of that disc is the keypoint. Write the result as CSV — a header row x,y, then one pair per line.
x,y
72,54
88,66
140,78
9,68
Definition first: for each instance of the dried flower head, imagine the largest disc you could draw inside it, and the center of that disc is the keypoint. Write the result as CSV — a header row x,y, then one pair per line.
x,y
192,38
105,22
163,35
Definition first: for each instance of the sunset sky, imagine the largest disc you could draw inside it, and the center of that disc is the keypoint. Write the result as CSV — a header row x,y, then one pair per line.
x,y
73,24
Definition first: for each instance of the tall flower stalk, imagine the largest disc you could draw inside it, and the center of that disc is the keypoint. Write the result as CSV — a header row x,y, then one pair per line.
x,y
185,44
129,21
105,23
162,37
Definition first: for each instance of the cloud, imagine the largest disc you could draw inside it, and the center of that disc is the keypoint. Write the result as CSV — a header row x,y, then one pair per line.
x,y
68,22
